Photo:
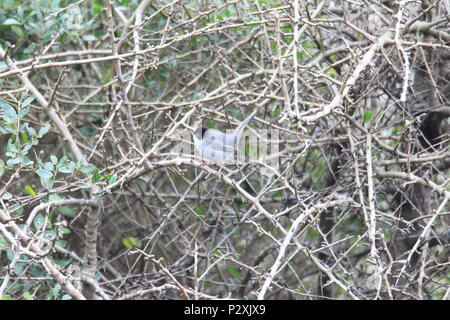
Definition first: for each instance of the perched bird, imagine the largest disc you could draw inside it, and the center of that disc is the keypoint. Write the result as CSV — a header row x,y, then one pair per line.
x,y
218,146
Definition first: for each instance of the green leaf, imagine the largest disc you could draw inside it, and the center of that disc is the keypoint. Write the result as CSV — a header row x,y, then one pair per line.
x,y
23,112
24,137
30,191
27,296
47,183
130,242
31,131
96,10
96,176
19,269
44,129
9,113
53,292
65,210
277,112
54,197
64,230
6,297
10,22
277,194
200,209
6,196
367,116
18,31
4,245
50,235
67,168
44,173
39,221
112,179
89,37
27,101
9,4
312,234
48,166
61,243
107,77
64,262
87,168
234,272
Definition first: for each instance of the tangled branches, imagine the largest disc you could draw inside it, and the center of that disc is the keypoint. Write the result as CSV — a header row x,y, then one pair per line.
x,y
350,200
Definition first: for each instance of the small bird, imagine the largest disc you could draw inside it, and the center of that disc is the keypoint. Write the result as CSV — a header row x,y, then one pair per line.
x,y
218,146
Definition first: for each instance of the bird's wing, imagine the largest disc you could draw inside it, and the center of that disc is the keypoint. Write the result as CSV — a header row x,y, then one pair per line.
x,y
218,141
209,148
216,155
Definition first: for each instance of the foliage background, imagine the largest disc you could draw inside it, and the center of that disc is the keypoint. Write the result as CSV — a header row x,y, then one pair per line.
x,y
95,204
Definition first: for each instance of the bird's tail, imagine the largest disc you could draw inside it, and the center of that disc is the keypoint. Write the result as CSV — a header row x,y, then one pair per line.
x,y
241,127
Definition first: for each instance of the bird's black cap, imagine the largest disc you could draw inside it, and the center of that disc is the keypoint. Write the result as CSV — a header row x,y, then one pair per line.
x,y
203,131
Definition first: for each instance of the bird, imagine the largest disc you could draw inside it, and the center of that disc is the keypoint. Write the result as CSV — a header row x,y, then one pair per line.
x,y
217,146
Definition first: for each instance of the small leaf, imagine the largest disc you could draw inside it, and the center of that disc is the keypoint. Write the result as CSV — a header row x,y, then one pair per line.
x,y
23,112
6,196
367,116
65,261
24,137
96,10
30,191
54,197
44,129
53,292
277,112
39,221
50,235
9,113
130,242
44,173
87,168
4,245
200,209
64,230
65,210
277,194
89,37
48,166
27,101
67,168
234,272
18,31
10,22
31,131
96,176
61,243
47,183
112,179
27,296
